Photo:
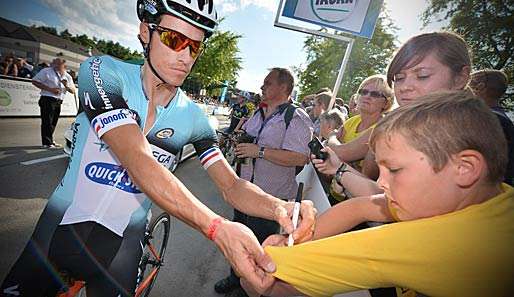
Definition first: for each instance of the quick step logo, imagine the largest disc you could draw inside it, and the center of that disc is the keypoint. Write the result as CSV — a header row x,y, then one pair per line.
x,y
333,11
111,174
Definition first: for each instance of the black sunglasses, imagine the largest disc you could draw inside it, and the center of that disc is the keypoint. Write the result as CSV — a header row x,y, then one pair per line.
x,y
364,92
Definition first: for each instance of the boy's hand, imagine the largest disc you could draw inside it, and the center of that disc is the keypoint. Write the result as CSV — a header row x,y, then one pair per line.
x,y
330,165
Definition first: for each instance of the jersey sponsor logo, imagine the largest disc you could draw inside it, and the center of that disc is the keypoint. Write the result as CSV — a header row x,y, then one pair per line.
x,y
95,71
164,133
111,175
162,156
112,119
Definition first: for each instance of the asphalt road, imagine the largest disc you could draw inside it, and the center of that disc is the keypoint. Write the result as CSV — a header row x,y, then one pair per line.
x,y
193,264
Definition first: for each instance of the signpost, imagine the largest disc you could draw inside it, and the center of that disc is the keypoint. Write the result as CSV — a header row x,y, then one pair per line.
x,y
351,17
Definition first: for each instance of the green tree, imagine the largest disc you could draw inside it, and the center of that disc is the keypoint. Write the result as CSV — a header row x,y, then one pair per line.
x,y
324,56
218,63
487,26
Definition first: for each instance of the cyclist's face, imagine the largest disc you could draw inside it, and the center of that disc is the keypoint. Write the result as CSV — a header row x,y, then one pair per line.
x,y
171,65
427,77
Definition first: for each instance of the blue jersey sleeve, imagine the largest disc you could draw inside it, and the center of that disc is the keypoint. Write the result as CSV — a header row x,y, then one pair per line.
x,y
100,94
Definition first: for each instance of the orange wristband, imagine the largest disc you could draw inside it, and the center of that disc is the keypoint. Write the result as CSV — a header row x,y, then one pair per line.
x,y
213,227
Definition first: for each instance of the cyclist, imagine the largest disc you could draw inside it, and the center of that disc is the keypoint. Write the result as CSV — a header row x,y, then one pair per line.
x,y
135,119
239,113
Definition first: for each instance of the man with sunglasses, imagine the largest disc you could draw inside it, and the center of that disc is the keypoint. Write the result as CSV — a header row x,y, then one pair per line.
x,y
135,120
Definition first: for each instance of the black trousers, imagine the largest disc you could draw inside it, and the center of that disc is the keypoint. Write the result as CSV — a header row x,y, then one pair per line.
x,y
50,110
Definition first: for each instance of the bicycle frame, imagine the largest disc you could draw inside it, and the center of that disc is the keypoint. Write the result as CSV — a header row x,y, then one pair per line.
x,y
152,274
79,285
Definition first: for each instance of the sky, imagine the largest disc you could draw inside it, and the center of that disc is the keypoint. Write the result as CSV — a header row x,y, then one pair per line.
x,y
262,46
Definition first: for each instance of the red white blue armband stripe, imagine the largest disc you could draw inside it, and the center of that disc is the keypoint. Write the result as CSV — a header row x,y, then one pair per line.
x,y
210,156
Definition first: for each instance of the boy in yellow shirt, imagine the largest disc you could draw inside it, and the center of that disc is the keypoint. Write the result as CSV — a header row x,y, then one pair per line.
x,y
441,163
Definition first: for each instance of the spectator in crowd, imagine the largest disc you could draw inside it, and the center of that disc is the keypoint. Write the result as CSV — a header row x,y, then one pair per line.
x,y
330,121
425,64
24,68
239,111
375,98
308,101
279,147
455,218
321,103
352,105
490,85
54,82
10,67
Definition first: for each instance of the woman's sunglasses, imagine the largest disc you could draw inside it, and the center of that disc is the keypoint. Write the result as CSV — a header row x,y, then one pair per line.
x,y
364,92
178,41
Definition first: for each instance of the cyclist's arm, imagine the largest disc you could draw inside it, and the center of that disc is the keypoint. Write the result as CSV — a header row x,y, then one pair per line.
x,y
250,199
353,150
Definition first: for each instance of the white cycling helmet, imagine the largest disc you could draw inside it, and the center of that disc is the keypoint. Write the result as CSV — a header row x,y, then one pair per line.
x,y
200,13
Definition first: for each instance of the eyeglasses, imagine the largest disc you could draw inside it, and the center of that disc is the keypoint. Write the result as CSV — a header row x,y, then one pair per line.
x,y
364,92
178,41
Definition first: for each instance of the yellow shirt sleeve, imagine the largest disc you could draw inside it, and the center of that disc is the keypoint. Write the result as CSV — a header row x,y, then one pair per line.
x,y
464,253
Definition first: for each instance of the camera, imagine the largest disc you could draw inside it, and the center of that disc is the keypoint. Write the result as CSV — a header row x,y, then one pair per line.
x,y
244,138
315,146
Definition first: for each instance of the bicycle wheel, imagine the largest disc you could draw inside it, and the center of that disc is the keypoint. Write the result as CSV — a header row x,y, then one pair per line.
x,y
155,242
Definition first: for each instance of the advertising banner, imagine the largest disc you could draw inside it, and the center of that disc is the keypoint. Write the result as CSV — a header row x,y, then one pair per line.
x,y
20,98
357,17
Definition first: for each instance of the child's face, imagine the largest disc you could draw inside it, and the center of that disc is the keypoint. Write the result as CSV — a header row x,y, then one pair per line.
x,y
410,183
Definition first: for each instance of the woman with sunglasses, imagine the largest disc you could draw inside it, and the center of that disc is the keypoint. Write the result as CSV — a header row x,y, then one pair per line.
x,y
374,98
135,120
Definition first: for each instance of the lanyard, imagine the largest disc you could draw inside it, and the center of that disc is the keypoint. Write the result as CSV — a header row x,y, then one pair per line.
x,y
265,121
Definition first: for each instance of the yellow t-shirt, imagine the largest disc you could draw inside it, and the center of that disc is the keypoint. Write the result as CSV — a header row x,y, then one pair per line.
x,y
469,252
350,133
350,128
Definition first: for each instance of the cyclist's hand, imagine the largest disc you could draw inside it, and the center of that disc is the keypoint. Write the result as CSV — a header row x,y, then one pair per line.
x,y
330,165
266,286
247,150
307,218
243,251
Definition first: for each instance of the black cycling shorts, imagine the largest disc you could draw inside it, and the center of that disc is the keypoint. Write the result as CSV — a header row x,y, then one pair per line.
x,y
84,251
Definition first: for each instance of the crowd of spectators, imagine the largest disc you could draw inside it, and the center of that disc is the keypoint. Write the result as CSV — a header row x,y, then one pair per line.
x,y
14,66
438,164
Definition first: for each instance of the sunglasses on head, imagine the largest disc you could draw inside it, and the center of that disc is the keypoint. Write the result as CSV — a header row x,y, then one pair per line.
x,y
178,41
375,94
